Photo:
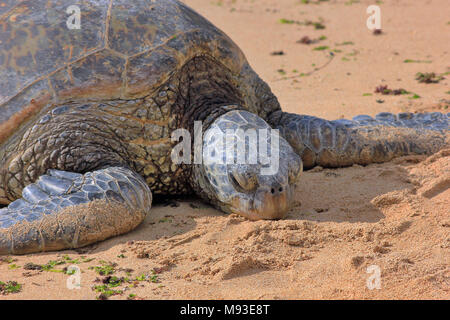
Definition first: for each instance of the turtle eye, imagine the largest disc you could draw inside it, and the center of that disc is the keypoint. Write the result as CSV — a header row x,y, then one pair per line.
x,y
244,181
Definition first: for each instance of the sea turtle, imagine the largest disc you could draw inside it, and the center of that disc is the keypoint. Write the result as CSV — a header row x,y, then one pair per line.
x,y
91,119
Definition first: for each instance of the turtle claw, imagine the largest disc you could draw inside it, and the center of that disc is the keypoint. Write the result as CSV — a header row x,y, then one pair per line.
x,y
64,174
54,186
68,210
33,194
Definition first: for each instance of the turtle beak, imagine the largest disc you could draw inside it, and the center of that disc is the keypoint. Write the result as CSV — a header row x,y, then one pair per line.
x,y
267,204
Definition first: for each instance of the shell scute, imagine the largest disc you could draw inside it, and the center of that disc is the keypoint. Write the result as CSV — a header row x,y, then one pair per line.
x,y
36,41
124,50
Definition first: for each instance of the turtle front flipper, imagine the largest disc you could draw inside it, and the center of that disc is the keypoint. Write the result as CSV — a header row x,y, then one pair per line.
x,y
65,210
362,140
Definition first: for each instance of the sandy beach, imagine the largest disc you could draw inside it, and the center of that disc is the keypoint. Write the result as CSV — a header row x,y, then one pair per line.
x,y
320,59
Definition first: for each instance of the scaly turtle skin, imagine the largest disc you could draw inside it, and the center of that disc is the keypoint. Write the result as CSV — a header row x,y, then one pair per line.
x,y
88,118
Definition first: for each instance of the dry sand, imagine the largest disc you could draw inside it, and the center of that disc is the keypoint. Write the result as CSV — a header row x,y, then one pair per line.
x,y
394,216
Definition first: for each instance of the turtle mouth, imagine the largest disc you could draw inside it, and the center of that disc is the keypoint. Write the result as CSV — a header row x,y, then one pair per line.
x,y
271,204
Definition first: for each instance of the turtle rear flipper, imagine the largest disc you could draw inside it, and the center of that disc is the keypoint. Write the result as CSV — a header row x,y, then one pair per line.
x,y
65,210
364,139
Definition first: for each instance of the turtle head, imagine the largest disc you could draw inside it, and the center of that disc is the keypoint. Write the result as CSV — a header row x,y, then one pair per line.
x,y
247,167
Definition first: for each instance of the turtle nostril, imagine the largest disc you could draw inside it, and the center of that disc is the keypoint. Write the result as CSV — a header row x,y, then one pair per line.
x,y
276,190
